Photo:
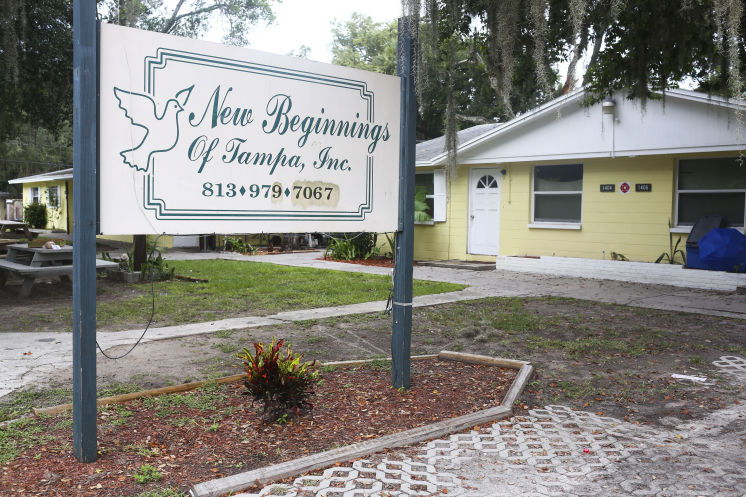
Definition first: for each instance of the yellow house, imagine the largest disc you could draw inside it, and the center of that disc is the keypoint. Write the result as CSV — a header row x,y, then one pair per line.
x,y
585,181
55,189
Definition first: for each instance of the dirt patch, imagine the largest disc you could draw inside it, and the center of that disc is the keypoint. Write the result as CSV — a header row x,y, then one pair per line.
x,y
214,432
598,357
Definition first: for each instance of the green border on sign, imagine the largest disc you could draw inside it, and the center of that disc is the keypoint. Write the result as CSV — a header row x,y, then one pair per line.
x,y
151,200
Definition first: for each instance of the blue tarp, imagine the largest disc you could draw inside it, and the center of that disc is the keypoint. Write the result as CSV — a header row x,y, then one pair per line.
x,y
723,249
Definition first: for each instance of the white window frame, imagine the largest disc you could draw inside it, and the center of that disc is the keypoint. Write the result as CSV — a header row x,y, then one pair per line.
x,y
559,225
438,196
687,228
49,197
34,193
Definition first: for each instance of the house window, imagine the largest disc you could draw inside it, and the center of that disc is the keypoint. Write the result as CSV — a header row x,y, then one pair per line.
x,y
433,184
558,193
53,196
34,194
707,187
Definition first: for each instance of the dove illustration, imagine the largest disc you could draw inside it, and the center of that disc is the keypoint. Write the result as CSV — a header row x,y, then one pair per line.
x,y
161,129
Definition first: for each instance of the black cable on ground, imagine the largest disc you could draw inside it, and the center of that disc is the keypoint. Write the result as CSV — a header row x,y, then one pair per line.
x,y
152,308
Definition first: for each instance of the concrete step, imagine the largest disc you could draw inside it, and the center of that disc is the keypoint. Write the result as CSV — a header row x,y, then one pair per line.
x,y
453,264
636,272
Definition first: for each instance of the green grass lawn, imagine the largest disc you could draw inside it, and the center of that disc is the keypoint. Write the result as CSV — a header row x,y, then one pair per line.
x,y
243,288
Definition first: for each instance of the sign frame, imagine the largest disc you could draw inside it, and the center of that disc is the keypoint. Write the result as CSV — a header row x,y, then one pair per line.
x,y
216,188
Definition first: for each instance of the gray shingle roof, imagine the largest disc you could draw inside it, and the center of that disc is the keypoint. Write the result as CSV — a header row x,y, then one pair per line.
x,y
430,149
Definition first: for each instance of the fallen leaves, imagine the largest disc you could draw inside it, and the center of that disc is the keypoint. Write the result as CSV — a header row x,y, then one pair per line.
x,y
191,452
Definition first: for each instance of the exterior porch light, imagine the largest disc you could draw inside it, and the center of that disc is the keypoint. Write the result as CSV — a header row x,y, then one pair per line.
x,y
608,106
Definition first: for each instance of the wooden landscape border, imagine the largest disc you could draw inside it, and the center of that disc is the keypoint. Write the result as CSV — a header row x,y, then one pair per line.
x,y
295,467
259,476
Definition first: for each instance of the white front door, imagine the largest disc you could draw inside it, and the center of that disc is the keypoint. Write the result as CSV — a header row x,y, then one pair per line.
x,y
484,211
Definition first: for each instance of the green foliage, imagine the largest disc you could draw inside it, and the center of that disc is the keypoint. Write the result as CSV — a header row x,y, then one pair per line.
x,y
191,18
673,250
18,436
616,256
21,402
36,60
673,43
35,214
278,379
363,44
36,49
147,474
235,244
203,399
420,205
363,243
391,241
352,246
155,268
340,249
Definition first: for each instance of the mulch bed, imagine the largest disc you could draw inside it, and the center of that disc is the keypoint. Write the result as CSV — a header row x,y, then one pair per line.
x,y
214,432
382,262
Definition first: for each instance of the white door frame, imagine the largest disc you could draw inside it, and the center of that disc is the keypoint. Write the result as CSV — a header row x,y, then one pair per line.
x,y
474,174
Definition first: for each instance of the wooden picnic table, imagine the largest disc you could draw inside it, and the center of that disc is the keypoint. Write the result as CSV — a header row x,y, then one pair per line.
x,y
30,263
15,229
39,256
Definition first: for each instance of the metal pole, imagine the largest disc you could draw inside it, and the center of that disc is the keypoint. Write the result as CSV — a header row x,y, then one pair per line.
x,y
402,306
85,134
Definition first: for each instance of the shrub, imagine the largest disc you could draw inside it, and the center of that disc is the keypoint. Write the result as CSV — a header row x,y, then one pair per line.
x,y
341,249
363,243
352,246
279,379
155,268
235,244
35,215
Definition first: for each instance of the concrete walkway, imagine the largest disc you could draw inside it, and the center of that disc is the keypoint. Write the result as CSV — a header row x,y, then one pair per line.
x,y
553,451
51,351
635,272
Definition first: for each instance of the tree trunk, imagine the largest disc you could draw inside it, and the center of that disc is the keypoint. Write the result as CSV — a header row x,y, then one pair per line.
x,y
140,254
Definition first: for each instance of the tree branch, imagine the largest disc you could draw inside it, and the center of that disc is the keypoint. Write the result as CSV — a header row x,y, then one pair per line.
x,y
176,18
170,24
597,42
474,119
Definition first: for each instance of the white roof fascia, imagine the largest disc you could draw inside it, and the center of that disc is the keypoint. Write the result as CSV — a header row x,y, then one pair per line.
x,y
514,123
704,98
40,178
596,155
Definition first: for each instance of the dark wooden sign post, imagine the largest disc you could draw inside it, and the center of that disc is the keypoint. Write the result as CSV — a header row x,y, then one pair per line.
x,y
85,157
402,299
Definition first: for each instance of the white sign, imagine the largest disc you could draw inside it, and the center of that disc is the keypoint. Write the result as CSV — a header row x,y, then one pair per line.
x,y
197,137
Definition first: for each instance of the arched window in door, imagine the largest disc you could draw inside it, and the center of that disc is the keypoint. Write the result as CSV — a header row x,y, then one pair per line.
x,y
487,181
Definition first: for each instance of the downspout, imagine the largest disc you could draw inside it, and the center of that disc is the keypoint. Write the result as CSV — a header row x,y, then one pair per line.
x,y
608,108
67,209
